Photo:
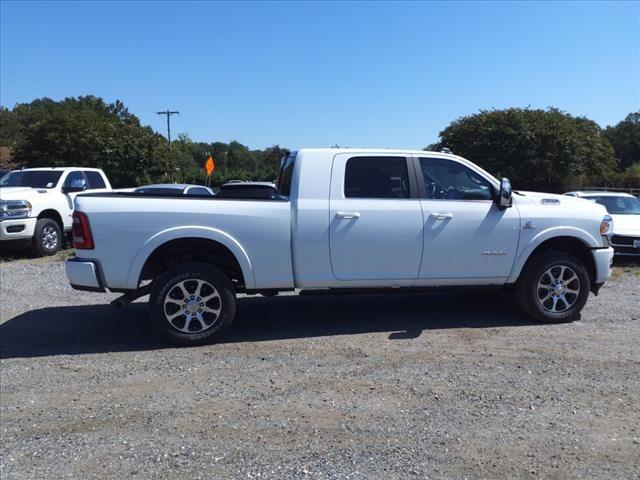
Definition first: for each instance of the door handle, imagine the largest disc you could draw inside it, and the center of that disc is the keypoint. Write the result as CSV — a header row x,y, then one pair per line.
x,y
442,216
349,215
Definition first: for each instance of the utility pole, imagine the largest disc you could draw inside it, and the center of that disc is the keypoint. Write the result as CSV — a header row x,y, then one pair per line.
x,y
168,113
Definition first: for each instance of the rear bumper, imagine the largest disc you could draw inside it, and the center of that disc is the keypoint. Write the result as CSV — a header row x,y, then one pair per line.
x,y
84,275
17,229
602,260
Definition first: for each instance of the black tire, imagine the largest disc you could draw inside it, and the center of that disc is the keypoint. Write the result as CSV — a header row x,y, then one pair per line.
x,y
47,238
167,300
530,297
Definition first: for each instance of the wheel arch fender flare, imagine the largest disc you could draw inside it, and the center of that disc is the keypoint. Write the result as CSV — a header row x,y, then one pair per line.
x,y
177,233
52,214
527,250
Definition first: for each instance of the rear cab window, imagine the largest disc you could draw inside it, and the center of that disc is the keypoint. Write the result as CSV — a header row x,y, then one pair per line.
x,y
376,177
198,191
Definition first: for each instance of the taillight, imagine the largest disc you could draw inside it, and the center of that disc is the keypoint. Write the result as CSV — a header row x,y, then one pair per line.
x,y
81,231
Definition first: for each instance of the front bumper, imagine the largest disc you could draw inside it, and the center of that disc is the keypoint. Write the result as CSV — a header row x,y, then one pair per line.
x,y
17,229
84,275
602,260
626,245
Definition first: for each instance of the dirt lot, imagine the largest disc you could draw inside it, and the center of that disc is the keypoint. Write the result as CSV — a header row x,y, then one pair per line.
x,y
420,386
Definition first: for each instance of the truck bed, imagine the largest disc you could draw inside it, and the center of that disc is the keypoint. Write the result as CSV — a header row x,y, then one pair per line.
x,y
127,227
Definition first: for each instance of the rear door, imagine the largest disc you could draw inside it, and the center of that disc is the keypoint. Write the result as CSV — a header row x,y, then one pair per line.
x,y
375,230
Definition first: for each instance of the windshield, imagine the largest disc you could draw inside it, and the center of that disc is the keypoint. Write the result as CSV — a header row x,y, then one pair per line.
x,y
31,178
618,205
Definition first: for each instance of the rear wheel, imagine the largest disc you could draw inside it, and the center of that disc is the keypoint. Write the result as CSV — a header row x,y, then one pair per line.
x,y
553,287
47,237
192,304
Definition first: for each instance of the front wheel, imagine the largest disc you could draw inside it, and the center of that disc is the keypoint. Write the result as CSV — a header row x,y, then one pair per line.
x,y
47,238
553,287
192,304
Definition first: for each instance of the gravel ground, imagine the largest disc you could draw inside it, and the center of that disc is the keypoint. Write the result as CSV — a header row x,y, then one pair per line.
x,y
407,385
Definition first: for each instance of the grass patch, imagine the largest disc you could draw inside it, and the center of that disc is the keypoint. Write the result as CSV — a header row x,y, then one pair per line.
x,y
25,255
621,269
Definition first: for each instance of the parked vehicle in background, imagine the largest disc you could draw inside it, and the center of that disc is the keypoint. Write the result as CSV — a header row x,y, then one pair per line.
x,y
248,190
36,204
344,220
624,208
169,189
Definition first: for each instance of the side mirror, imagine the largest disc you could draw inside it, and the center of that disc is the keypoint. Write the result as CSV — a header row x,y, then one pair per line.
x,y
504,198
77,185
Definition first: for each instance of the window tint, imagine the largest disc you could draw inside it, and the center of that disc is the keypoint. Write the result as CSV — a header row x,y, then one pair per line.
x,y
198,191
618,205
160,191
95,179
75,175
376,177
446,179
248,191
31,178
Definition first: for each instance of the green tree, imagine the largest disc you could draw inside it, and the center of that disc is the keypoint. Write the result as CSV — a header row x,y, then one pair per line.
x,y
537,149
9,135
86,131
269,160
625,139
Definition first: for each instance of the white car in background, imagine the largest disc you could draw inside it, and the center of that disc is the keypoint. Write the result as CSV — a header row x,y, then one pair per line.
x,y
36,204
624,208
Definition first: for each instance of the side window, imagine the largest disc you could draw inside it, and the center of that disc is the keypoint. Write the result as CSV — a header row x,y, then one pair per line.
x,y
73,177
446,179
198,191
95,180
376,177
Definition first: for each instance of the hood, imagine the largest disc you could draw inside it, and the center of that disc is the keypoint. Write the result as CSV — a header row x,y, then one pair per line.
x,y
554,200
626,224
21,193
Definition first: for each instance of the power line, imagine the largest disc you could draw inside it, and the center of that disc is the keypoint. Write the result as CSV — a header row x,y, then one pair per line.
x,y
35,83
168,113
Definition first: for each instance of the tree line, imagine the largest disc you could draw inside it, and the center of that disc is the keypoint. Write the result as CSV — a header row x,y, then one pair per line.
x,y
88,132
537,149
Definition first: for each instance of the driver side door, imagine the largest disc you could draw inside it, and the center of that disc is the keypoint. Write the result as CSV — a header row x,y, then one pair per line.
x,y
466,235
74,178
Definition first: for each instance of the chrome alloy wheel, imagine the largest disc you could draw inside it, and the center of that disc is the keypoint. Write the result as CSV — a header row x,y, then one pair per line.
x,y
49,237
558,289
192,306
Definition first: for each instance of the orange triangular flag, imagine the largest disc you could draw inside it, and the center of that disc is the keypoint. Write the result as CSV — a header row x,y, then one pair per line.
x,y
210,166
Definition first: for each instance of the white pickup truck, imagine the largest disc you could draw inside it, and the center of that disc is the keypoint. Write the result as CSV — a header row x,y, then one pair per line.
x,y
344,220
36,204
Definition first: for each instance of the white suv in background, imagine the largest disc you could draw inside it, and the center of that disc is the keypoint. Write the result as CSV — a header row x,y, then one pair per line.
x,y
36,204
624,208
